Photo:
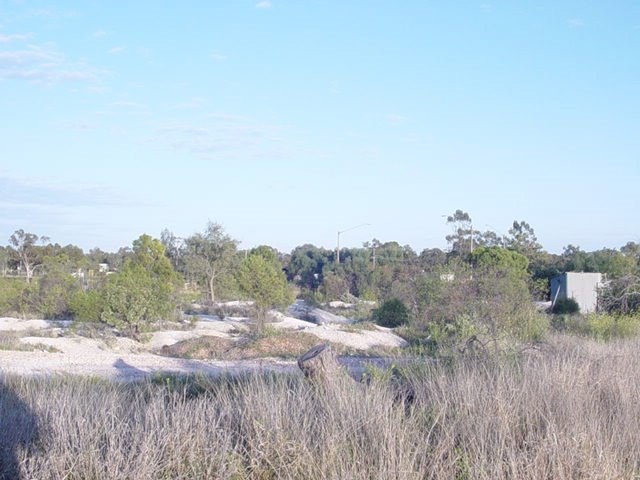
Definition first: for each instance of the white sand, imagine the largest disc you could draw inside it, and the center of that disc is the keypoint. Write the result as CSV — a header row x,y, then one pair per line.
x,y
126,359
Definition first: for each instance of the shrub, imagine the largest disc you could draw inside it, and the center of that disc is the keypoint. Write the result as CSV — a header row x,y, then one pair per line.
x,y
566,306
12,294
53,292
86,306
134,299
602,326
391,313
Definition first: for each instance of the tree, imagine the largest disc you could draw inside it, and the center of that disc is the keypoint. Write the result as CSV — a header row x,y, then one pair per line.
x,y
265,284
306,265
210,255
142,292
173,248
24,245
523,240
461,240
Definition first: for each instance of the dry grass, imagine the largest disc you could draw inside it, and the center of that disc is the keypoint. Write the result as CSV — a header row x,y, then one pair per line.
x,y
280,344
11,341
570,411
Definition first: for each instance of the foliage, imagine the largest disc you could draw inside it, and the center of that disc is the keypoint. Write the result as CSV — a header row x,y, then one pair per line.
x,y
134,299
495,258
143,292
565,306
601,326
87,306
15,296
53,292
392,313
24,246
209,257
263,283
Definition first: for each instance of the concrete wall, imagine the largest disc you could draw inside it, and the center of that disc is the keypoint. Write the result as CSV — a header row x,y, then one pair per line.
x,y
581,286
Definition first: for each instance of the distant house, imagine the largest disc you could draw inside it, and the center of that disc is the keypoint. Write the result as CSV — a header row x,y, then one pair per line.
x,y
581,286
103,267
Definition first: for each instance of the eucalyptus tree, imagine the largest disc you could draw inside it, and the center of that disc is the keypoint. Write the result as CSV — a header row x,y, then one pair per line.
x,y
25,248
209,256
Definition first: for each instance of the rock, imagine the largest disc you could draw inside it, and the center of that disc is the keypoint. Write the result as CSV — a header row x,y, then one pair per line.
x,y
322,317
339,304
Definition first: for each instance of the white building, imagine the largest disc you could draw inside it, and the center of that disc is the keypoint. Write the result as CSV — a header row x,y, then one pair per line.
x,y
581,286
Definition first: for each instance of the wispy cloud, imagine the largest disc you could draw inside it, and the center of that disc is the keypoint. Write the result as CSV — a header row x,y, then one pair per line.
x,y
218,56
14,37
39,191
116,50
43,64
192,104
264,4
395,118
224,136
127,104
575,23
99,33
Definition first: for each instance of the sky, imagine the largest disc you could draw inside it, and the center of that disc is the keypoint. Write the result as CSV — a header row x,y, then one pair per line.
x,y
289,120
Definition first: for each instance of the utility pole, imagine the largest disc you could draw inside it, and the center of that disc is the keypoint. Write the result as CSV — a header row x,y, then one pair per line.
x,y
338,242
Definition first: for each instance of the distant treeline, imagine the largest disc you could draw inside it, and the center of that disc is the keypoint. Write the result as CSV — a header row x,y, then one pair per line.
x,y
482,277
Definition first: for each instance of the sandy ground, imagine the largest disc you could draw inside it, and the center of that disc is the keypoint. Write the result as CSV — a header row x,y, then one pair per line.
x,y
128,360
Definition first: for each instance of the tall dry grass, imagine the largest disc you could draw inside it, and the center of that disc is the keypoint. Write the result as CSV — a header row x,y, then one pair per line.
x,y
569,411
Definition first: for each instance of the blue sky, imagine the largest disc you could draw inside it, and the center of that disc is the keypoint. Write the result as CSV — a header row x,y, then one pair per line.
x,y
287,120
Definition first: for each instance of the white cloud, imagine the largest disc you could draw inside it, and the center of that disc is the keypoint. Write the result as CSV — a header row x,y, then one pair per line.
x,y
191,104
263,4
575,23
395,118
218,56
42,64
116,50
224,136
14,37
99,33
127,104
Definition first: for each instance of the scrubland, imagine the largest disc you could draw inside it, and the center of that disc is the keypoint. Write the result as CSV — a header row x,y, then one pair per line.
x,y
563,409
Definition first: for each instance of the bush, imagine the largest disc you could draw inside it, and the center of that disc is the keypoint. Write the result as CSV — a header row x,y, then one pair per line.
x,y
13,294
391,313
566,306
86,306
53,292
135,299
602,326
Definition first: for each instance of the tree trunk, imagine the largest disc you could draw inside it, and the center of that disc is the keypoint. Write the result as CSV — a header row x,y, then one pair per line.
x,y
319,365
211,288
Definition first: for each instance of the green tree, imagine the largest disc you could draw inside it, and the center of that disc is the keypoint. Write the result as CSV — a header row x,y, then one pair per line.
x,y
522,239
461,240
265,284
24,245
142,293
210,256
54,289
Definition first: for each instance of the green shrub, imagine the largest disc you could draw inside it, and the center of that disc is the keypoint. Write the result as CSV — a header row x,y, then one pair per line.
x,y
86,306
13,295
53,292
602,326
566,306
391,313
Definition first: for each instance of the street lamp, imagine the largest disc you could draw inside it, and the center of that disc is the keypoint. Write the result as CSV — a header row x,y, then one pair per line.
x,y
342,231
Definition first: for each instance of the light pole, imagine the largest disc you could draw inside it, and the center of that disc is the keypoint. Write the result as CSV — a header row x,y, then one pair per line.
x,y
342,231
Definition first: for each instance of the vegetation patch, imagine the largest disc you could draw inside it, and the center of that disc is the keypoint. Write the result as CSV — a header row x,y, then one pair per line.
x,y
281,345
